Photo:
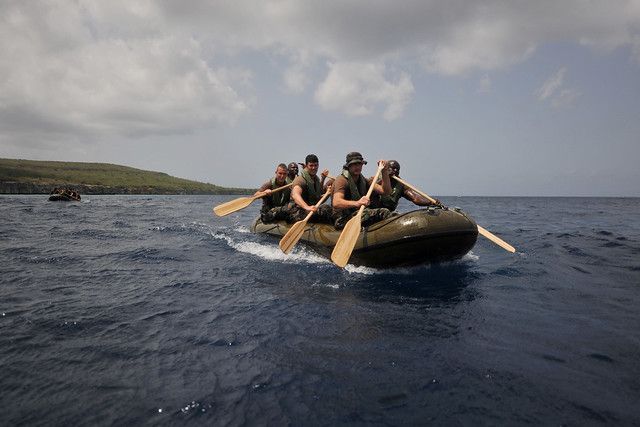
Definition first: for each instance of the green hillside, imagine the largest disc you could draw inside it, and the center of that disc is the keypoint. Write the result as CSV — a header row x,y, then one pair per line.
x,y
37,177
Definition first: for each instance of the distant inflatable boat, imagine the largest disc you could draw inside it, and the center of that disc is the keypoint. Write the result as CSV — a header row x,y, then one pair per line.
x,y
418,237
64,195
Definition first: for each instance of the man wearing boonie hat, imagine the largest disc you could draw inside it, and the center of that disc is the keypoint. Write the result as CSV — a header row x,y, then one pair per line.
x,y
398,190
307,191
350,189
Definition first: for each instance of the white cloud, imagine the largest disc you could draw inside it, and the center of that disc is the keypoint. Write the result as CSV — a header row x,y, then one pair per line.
x,y
296,77
552,84
145,67
64,72
357,89
566,98
552,89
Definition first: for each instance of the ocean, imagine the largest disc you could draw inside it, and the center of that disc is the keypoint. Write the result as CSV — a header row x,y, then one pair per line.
x,y
150,310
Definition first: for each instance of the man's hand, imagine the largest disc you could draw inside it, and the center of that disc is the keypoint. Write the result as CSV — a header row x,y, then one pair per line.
x,y
364,201
324,173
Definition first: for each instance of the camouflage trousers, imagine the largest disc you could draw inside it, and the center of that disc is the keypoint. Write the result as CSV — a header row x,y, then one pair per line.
x,y
323,214
369,216
275,214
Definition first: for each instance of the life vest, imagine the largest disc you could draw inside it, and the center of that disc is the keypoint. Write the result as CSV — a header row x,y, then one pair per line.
x,y
313,191
356,190
391,201
280,198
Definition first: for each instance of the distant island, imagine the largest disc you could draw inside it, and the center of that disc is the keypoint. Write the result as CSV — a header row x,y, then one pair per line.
x,y
19,176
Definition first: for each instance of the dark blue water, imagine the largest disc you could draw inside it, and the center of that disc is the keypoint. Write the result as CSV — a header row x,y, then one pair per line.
x,y
149,310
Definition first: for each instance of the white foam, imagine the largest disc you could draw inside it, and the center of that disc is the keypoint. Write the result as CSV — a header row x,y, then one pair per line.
x,y
470,257
242,229
368,271
271,252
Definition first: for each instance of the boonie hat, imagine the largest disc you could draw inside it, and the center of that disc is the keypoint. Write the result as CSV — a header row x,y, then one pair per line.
x,y
354,157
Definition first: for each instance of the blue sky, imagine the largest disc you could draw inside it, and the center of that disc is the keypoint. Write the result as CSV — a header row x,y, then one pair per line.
x,y
472,98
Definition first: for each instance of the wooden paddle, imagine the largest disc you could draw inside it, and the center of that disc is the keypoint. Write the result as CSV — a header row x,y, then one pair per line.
x,y
296,231
347,240
242,202
486,233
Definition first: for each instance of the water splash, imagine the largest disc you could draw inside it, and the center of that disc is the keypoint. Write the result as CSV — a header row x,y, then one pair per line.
x,y
270,252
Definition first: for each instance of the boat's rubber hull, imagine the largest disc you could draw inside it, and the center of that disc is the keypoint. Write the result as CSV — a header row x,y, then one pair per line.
x,y
416,237
62,198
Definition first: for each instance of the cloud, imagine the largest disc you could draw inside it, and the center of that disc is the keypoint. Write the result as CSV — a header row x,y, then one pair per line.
x,y
552,84
144,67
296,77
565,98
552,90
356,89
64,72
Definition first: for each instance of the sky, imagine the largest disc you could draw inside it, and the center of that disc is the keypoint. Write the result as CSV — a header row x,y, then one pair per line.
x,y
486,98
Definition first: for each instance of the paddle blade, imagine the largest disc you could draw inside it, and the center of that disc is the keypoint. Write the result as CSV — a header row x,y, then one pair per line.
x,y
347,241
233,206
294,234
495,239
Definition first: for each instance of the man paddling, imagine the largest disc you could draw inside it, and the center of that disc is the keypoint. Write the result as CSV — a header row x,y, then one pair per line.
x,y
350,189
398,190
323,175
275,206
307,191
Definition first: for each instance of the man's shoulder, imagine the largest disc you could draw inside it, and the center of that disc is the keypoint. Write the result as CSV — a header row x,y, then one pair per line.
x,y
340,178
299,180
266,186
340,183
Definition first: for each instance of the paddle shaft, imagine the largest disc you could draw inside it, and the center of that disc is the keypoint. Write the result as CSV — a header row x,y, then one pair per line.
x,y
369,192
495,239
324,197
483,231
321,201
263,193
347,240
242,202
406,184
294,234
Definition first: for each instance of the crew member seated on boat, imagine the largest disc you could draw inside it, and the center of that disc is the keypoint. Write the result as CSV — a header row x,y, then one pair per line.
x,y
292,170
398,190
323,174
307,191
350,189
275,206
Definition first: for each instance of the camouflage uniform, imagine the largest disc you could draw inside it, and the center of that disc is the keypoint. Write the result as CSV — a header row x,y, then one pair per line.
x,y
354,191
311,194
276,206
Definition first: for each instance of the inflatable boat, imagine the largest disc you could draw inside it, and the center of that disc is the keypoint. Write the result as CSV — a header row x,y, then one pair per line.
x,y
64,195
418,237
